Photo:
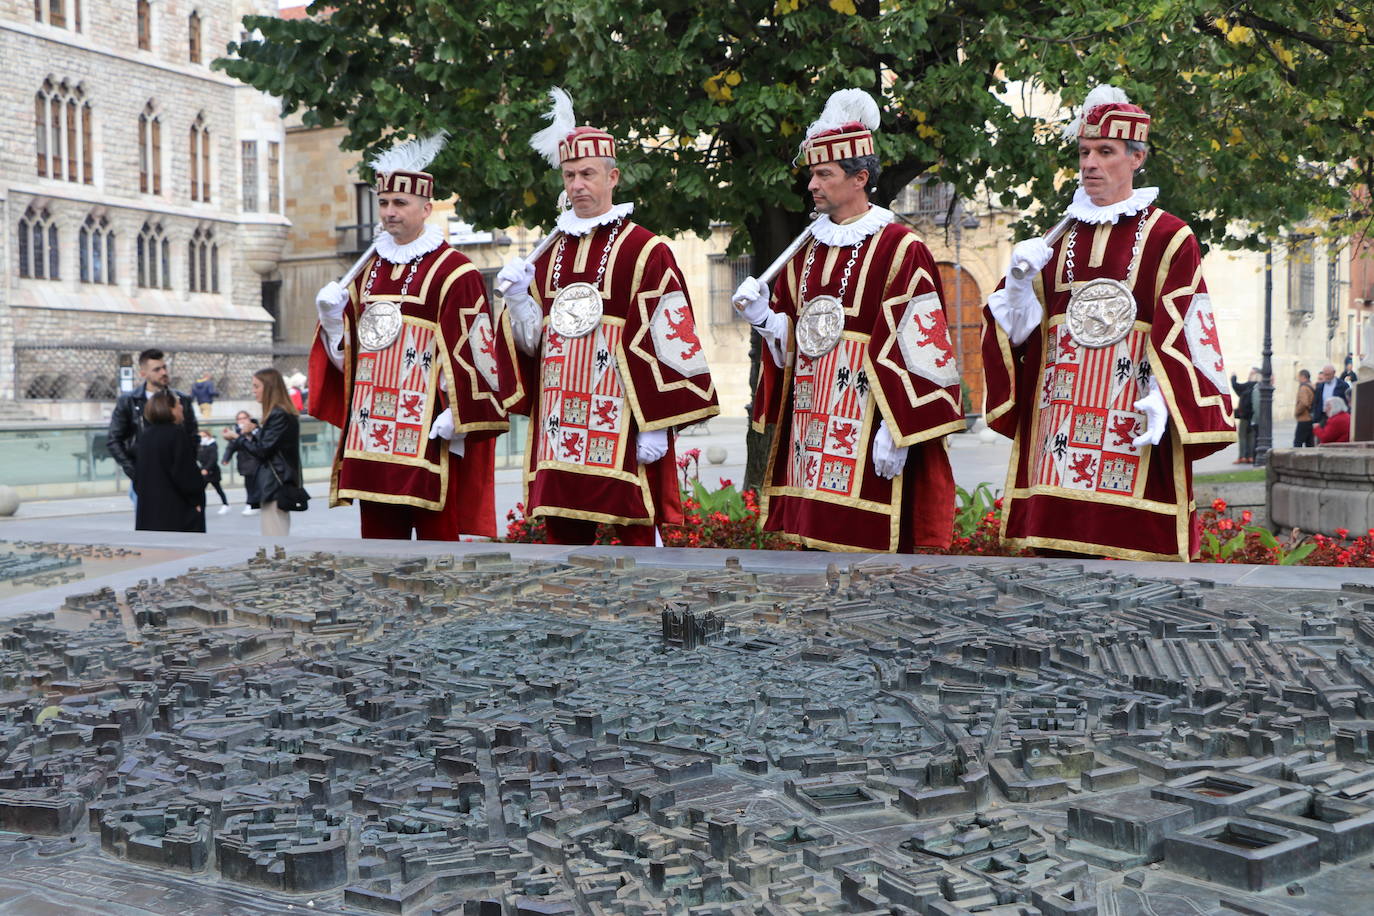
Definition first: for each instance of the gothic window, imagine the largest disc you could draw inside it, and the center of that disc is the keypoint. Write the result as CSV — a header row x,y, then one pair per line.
x,y
193,37
95,250
38,248
202,262
145,26
200,160
150,150
58,13
249,165
62,127
154,257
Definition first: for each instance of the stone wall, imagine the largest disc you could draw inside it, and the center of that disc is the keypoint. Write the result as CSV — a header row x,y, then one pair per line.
x,y
1322,489
102,65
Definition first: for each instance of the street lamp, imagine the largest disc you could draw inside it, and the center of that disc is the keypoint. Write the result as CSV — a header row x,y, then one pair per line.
x,y
1265,440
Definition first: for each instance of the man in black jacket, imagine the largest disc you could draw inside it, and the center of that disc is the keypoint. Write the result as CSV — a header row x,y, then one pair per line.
x,y
126,421
1327,387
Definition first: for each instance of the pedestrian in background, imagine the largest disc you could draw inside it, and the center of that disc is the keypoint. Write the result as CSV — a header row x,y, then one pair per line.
x,y
203,390
1326,388
126,420
1302,411
1337,425
207,456
277,447
170,487
1247,415
247,465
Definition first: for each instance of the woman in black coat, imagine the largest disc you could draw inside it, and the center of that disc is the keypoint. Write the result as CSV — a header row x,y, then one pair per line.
x,y
277,446
171,492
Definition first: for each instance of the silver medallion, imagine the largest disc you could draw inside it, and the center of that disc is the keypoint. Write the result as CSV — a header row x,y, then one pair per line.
x,y
1100,312
380,325
820,326
576,310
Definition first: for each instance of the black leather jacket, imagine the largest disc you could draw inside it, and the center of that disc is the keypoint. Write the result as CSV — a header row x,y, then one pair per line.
x,y
126,422
277,447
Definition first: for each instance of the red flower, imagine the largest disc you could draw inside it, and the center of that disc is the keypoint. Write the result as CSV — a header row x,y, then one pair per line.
x,y
1342,533
1218,505
726,482
1246,516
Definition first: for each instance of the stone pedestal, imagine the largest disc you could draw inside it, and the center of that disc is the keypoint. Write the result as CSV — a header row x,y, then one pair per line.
x,y
1362,411
1322,489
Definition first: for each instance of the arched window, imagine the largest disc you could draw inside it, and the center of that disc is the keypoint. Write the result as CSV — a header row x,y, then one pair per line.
x,y
150,150
38,248
153,257
145,26
193,37
200,160
62,123
202,261
96,250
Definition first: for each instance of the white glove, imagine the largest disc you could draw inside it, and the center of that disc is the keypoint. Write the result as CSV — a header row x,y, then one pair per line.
x,y
442,428
1028,258
526,322
330,302
888,459
652,446
1156,417
519,273
751,301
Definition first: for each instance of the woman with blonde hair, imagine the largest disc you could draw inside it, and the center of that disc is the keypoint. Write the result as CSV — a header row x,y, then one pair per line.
x,y
277,447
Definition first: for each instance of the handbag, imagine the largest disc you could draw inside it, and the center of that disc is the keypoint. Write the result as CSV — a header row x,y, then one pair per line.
x,y
290,497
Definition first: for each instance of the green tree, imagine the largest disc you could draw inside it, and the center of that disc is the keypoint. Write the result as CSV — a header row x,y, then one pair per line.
x,y
1256,129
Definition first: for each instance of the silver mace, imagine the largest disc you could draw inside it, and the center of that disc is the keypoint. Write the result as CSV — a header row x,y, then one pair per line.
x,y
781,260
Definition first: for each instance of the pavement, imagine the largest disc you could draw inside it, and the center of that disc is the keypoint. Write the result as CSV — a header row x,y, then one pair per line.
x,y
232,537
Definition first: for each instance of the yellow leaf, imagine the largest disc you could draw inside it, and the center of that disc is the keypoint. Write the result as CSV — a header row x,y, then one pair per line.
x,y
925,131
844,6
47,713
920,116
1236,138
1285,55
529,198
783,7
1239,35
1216,145
787,128
732,78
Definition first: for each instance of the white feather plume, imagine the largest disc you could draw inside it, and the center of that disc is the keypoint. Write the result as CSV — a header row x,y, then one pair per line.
x,y
411,156
1100,95
844,107
561,120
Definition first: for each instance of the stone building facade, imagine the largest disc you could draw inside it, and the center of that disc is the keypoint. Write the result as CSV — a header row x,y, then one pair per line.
x,y
141,200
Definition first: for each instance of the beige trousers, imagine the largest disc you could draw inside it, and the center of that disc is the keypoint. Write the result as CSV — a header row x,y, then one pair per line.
x,y
275,522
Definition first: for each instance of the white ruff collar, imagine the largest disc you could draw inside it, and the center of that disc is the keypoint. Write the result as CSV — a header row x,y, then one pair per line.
x,y
852,232
569,223
428,240
1084,210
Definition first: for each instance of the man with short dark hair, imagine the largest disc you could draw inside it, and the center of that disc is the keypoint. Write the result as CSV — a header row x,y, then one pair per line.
x,y
860,378
126,420
1103,362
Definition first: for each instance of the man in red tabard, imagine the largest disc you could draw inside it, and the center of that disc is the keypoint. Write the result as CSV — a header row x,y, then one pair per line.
x,y
613,362
409,365
860,378
1103,364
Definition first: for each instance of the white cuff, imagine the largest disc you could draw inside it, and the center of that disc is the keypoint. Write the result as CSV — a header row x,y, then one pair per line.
x,y
333,348
775,331
1017,310
526,323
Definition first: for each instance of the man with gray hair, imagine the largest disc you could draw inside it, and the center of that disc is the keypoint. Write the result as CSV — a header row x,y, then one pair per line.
x,y
1328,386
1337,425
615,362
860,378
